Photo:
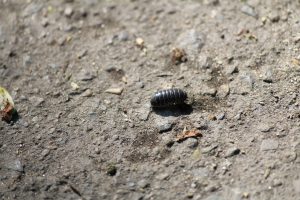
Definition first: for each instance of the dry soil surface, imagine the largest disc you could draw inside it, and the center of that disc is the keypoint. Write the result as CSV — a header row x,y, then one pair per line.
x,y
82,73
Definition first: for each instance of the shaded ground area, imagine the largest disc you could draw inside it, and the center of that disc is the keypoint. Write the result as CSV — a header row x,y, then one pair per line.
x,y
82,83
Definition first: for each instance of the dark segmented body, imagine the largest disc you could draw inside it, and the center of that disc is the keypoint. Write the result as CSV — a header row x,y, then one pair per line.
x,y
168,97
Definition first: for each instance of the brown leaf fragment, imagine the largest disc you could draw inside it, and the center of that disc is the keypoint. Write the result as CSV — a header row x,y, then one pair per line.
x,y
7,113
187,134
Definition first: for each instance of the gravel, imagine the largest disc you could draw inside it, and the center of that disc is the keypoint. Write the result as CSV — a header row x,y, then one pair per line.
x,y
76,141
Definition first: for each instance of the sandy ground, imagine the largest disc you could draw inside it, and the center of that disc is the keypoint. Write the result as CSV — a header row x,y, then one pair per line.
x,y
82,83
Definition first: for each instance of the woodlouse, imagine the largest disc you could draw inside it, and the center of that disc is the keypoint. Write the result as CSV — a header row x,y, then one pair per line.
x,y
169,97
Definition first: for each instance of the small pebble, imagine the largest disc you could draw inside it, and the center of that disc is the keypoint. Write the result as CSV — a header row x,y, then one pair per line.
x,y
274,17
87,93
61,41
45,152
231,69
116,91
27,61
139,42
223,91
123,36
45,22
191,143
249,10
232,152
165,127
82,53
276,183
143,183
68,12
267,75
204,62
85,75
220,116
264,127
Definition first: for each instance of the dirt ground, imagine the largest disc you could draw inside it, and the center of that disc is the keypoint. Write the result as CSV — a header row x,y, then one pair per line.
x,y
82,72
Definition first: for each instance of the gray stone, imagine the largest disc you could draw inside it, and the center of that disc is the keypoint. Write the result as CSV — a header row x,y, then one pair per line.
x,y
123,36
165,127
231,69
277,183
274,16
232,152
87,93
223,91
61,41
267,74
220,116
14,165
140,84
268,144
249,10
204,62
211,188
209,91
143,183
45,152
243,84
130,184
85,75
82,53
191,143
45,22
296,184
27,61
263,127
191,41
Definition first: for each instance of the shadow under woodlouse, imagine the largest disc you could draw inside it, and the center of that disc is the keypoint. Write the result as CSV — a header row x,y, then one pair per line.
x,y
177,110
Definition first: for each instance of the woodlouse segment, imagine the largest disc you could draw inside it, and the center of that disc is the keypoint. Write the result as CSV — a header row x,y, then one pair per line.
x,y
169,97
